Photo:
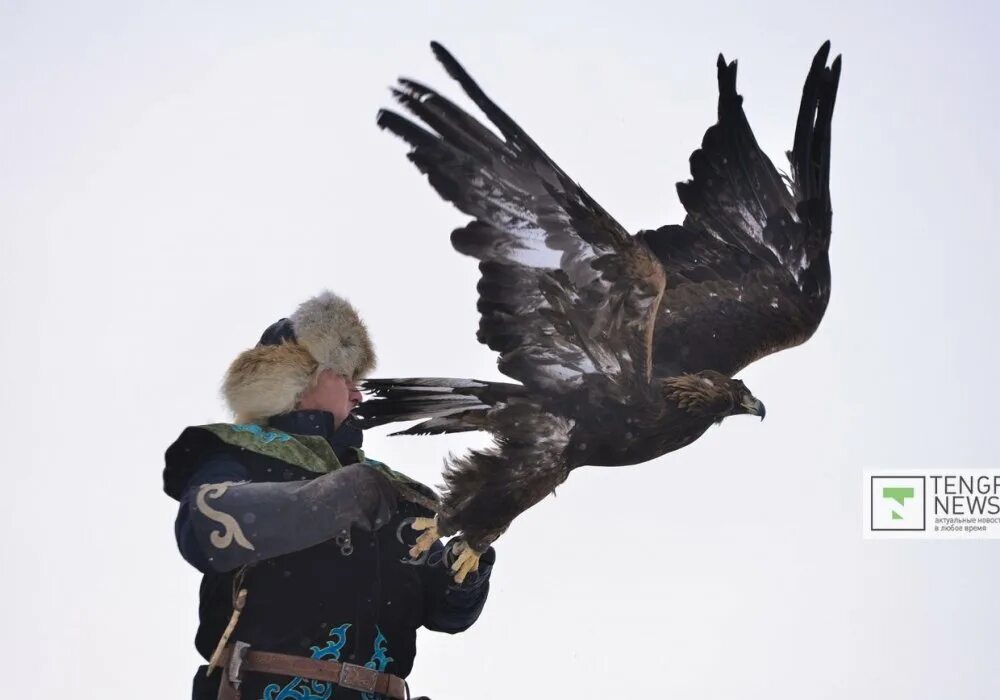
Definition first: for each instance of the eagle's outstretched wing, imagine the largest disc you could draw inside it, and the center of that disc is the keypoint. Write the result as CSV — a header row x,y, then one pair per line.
x,y
748,271
570,300
566,294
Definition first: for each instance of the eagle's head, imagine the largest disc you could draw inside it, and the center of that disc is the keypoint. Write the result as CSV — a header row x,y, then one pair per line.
x,y
711,394
745,402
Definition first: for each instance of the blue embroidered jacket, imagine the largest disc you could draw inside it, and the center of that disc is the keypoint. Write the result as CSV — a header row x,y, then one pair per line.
x,y
329,572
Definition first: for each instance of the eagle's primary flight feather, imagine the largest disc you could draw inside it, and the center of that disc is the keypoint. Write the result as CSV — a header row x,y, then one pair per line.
x,y
624,346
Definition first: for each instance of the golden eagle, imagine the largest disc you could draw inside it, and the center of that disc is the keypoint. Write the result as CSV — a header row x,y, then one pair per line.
x,y
625,346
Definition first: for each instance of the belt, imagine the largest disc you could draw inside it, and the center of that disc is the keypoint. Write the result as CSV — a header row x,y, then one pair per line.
x,y
238,658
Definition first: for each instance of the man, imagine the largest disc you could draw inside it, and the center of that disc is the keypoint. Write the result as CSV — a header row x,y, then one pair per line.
x,y
303,541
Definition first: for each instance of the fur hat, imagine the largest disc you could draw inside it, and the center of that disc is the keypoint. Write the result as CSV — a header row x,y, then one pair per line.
x,y
325,332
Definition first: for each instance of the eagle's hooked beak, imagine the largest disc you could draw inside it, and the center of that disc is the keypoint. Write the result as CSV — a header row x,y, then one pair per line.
x,y
755,407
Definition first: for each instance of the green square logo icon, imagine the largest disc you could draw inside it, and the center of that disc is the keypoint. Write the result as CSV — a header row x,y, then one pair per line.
x,y
898,503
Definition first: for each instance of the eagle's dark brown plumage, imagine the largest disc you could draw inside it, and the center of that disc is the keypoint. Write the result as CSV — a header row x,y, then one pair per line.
x,y
624,346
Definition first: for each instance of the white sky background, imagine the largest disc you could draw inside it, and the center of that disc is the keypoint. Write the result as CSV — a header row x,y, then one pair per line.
x,y
176,177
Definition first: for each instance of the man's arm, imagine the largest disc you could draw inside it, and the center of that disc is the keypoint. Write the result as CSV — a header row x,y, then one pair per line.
x,y
454,607
225,521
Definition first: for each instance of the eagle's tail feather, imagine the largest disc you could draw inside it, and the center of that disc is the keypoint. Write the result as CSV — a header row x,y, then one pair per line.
x,y
444,405
458,423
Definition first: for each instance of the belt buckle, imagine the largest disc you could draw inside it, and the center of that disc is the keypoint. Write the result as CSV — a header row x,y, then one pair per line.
x,y
358,677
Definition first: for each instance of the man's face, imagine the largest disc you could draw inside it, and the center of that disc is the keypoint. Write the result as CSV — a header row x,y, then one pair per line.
x,y
334,393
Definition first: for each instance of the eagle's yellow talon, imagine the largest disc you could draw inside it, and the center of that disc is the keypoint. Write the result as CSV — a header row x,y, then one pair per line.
x,y
466,562
427,538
